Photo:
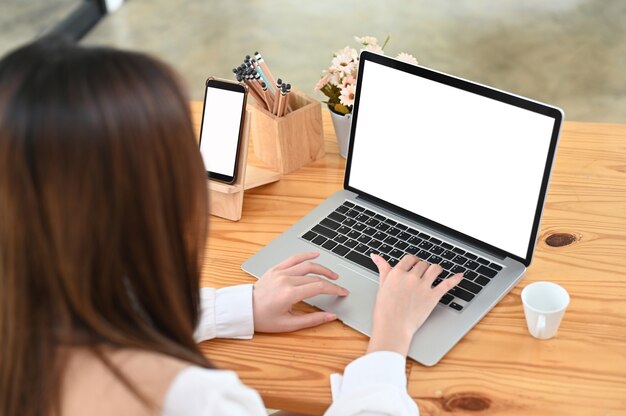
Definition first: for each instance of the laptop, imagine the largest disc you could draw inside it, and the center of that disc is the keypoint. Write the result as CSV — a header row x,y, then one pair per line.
x,y
451,171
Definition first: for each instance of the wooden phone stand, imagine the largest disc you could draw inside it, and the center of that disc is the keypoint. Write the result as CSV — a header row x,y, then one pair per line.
x,y
226,200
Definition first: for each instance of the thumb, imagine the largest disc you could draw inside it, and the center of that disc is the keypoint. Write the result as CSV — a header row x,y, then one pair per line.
x,y
308,320
383,267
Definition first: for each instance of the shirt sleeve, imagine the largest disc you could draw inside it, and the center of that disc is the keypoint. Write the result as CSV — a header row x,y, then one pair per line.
x,y
206,392
374,384
225,313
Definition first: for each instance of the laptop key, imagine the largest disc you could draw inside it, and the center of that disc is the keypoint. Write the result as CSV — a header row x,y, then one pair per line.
x,y
424,236
372,222
324,231
328,223
383,227
362,260
446,246
458,269
369,231
425,245
341,238
435,240
329,245
470,275
456,306
359,226
448,255
495,266
342,209
319,240
390,221
393,231
423,254
349,222
350,243
358,208
364,239
470,286
414,240
337,216
369,212
354,234
445,299
487,271
482,280
436,250
380,235
458,250
446,265
444,274
396,253
472,265
343,230
385,248
460,259
471,256
380,217
374,244
352,213
401,245
401,226
309,235
437,281
362,217
348,204
341,250
370,251
404,236
412,250
412,231
434,259
392,262
361,248
482,261
461,293
391,240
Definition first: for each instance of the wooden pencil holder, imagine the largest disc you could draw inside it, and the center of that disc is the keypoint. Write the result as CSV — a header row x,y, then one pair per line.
x,y
289,142
226,200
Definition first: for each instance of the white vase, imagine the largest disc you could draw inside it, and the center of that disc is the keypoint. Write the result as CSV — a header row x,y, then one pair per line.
x,y
343,124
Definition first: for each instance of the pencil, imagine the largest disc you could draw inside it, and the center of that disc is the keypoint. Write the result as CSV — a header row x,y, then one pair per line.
x,y
277,96
265,68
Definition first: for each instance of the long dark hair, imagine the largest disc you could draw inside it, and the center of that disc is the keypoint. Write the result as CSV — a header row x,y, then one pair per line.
x,y
103,214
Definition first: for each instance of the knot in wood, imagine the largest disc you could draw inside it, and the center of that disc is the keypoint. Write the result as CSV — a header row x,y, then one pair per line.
x,y
560,239
468,402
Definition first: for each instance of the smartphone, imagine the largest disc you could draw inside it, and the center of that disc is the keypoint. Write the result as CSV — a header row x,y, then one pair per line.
x,y
222,127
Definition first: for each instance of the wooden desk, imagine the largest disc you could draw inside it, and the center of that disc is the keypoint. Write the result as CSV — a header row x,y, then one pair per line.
x,y
498,368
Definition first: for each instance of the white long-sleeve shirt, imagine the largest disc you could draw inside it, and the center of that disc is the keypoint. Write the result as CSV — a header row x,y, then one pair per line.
x,y
374,384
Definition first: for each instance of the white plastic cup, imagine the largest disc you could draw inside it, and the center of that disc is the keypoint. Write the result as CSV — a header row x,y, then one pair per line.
x,y
544,306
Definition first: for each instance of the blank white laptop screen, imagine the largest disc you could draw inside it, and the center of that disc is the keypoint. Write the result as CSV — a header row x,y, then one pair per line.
x,y
465,161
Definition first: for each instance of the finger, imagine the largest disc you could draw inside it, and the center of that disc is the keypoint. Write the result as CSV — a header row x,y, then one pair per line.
x,y
308,267
407,262
431,273
419,269
383,267
298,258
447,284
308,320
318,287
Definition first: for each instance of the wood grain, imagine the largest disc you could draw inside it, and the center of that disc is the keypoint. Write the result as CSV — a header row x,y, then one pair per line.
x,y
498,368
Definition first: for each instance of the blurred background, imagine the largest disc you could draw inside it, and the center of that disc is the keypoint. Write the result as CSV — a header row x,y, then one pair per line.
x,y
571,53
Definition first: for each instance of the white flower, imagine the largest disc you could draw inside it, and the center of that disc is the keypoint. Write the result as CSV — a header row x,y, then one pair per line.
x,y
342,63
348,80
408,58
323,81
347,95
348,51
366,40
335,78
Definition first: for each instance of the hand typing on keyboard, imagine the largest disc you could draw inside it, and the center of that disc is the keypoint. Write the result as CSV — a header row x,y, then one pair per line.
x,y
286,284
406,297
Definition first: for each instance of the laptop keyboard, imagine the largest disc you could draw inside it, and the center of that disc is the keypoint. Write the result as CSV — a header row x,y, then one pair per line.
x,y
354,232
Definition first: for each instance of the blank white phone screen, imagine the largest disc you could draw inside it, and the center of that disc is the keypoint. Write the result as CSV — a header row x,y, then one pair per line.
x,y
220,130
465,161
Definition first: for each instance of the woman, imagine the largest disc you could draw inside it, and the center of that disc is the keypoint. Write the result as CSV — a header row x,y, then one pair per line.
x,y
103,224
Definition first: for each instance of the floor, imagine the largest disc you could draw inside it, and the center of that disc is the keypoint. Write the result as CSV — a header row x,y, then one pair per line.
x,y
571,53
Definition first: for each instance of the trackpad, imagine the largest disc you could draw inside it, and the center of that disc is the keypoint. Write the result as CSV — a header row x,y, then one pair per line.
x,y
355,309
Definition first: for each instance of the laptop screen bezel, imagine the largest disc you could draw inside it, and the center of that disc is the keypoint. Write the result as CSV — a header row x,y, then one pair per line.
x,y
549,111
